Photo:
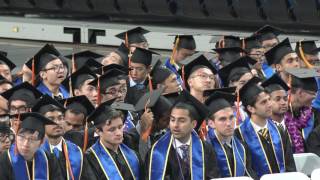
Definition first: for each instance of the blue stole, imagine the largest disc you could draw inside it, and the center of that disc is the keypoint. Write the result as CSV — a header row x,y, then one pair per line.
x,y
75,157
267,70
160,152
174,70
308,129
223,162
259,156
128,123
316,101
44,90
40,167
17,81
108,165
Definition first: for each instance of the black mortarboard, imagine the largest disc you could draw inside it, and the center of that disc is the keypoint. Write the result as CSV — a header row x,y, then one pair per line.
x,y
101,113
80,104
159,74
78,78
235,70
228,55
172,97
308,47
25,92
34,121
45,55
251,42
229,90
5,127
123,52
125,108
46,104
85,58
193,63
201,110
135,35
3,53
8,62
186,41
104,69
249,91
143,56
268,32
3,80
274,83
275,54
228,42
219,100
304,78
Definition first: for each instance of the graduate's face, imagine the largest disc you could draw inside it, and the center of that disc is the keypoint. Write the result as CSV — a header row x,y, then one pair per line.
x,y
118,92
181,125
5,72
16,107
28,143
4,87
182,54
242,81
112,58
201,80
279,100
54,72
224,122
55,131
290,60
257,54
171,84
312,59
262,107
5,141
112,132
88,90
73,121
138,72
270,43
304,97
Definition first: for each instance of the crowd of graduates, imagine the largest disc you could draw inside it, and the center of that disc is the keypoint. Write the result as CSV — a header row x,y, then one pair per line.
x,y
242,110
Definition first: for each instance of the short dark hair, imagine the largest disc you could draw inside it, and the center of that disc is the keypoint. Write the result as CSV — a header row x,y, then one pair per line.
x,y
113,114
193,114
31,131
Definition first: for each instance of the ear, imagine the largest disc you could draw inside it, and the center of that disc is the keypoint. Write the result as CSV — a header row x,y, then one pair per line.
x,y
251,109
211,123
194,123
278,68
42,74
77,92
149,69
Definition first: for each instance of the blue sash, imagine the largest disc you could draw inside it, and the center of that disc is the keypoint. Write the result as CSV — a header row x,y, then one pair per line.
x,y
44,90
128,123
174,70
223,162
160,152
75,157
267,70
19,165
308,129
108,165
259,157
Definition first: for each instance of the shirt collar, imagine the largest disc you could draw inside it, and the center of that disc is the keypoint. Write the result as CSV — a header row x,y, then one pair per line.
x,y
177,143
257,128
133,83
58,146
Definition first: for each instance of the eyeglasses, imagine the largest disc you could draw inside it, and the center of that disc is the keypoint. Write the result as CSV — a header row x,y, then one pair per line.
x,y
205,76
30,140
16,110
56,68
3,137
56,119
114,91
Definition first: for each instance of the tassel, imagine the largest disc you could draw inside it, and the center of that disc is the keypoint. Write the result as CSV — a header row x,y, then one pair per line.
x,y
99,92
203,131
73,67
304,59
65,103
126,40
289,94
172,62
243,46
183,78
150,83
238,110
85,139
33,76
68,164
16,151
145,135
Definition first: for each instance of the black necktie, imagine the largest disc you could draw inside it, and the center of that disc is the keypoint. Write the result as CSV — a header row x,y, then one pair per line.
x,y
265,133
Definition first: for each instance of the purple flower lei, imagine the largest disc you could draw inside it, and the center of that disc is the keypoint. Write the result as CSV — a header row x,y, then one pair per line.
x,y
295,125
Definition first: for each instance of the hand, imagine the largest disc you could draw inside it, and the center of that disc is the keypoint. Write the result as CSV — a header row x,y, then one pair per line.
x,y
146,120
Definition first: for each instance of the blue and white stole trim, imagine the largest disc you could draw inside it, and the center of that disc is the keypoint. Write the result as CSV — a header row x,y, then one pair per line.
x,y
108,165
44,90
239,156
75,157
128,123
308,129
40,166
160,152
259,156
267,70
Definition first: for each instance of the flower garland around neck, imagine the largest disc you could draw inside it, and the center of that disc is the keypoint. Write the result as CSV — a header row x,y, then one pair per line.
x,y
295,126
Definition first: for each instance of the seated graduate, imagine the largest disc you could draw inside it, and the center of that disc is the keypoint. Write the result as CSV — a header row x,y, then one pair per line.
x,y
269,146
48,67
180,153
25,159
234,158
6,67
6,134
68,154
109,158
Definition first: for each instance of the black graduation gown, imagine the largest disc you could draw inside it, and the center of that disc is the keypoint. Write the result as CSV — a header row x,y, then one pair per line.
x,y
77,137
289,161
6,171
119,160
173,170
313,141
134,94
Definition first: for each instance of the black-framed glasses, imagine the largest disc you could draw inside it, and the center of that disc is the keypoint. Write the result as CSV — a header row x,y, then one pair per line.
x,y
56,68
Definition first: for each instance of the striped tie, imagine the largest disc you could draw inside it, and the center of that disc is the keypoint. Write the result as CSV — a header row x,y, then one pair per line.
x,y
265,133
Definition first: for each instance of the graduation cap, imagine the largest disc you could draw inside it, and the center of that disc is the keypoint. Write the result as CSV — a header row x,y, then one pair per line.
x,y
123,52
79,104
135,35
3,80
236,69
172,96
274,83
5,127
185,41
251,42
87,58
159,74
249,91
307,47
34,121
104,69
201,109
193,63
25,92
268,32
101,114
275,54
304,78
219,100
46,104
77,78
142,56
229,90
3,53
228,55
8,62
228,42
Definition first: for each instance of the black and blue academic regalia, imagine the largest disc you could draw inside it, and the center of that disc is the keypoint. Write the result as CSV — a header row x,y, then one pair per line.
x,y
44,90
